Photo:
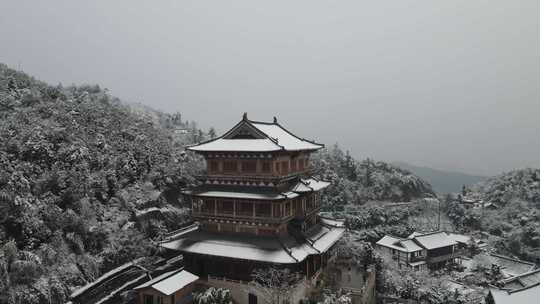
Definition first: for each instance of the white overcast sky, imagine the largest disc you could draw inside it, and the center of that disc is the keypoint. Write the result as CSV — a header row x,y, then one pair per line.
x,y
447,84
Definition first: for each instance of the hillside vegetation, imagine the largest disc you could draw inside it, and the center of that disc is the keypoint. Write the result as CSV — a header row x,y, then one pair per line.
x,y
518,184
362,192
357,182
515,224
78,172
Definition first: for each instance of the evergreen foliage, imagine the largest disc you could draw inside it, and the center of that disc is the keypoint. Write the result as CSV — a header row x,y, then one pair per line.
x,y
515,223
78,167
356,182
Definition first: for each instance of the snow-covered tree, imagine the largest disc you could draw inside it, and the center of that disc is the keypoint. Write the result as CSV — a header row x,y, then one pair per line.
x,y
275,285
213,296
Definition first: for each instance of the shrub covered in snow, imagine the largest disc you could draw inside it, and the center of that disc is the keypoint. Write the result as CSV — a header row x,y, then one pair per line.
x,y
213,296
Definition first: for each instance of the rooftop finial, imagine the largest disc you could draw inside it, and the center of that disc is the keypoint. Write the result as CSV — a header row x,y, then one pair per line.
x,y
245,116
275,120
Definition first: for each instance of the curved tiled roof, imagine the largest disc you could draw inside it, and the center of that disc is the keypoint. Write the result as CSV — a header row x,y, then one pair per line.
x,y
309,185
278,250
267,137
170,282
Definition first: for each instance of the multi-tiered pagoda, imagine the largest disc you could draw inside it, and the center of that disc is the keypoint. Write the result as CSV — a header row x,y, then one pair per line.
x,y
257,206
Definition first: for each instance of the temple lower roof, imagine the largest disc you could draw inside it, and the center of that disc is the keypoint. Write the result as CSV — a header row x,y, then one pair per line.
x,y
278,250
304,185
309,185
239,192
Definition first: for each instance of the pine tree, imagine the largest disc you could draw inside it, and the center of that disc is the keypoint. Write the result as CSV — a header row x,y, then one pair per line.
x,y
350,166
464,190
212,133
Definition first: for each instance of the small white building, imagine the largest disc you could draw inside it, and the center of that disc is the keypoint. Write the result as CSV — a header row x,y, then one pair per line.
x,y
405,252
421,251
174,287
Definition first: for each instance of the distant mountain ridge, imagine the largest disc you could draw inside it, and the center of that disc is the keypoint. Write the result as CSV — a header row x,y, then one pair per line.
x,y
442,181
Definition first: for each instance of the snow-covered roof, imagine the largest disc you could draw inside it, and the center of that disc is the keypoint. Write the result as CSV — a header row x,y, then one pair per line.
x,y
528,295
527,279
104,277
434,240
322,237
418,241
284,250
323,242
460,238
170,282
392,242
237,145
410,245
403,245
389,241
285,138
156,279
309,185
241,193
300,187
263,137
234,246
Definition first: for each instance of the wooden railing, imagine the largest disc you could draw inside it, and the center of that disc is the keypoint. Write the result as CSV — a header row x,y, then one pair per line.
x,y
445,257
240,217
418,258
246,176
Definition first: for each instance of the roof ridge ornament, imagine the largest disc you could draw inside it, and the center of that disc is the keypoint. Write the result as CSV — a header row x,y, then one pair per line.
x,y
244,117
275,120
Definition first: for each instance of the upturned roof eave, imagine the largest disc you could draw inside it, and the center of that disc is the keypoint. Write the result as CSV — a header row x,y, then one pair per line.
x,y
251,123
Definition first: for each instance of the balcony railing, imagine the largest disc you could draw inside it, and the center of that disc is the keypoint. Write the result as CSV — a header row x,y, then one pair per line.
x,y
255,177
418,259
444,257
240,217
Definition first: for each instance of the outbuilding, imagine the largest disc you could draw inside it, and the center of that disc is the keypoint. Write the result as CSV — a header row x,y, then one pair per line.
x,y
173,287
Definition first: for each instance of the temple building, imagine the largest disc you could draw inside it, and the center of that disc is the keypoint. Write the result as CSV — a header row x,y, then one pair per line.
x,y
256,207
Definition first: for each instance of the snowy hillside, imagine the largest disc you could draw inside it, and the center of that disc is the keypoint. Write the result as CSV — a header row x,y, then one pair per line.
x,y
356,182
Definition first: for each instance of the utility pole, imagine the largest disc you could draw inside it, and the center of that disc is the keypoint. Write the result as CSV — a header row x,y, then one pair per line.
x,y
482,217
439,217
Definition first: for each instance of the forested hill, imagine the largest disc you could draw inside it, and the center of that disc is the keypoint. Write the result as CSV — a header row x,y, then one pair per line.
x,y
356,182
79,174
518,184
514,222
